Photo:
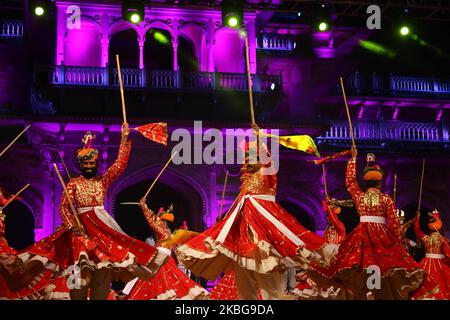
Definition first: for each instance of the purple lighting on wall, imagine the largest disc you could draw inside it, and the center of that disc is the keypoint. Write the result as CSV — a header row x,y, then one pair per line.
x,y
361,112
439,115
395,115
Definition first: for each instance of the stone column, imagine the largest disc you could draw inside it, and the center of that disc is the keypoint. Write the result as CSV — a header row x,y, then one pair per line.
x,y
105,50
141,41
175,52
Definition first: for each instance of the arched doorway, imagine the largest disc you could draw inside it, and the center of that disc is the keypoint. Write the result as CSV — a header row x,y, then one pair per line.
x,y
187,59
125,44
299,213
158,51
132,221
19,225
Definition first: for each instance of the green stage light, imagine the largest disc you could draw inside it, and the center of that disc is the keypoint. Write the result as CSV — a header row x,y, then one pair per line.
x,y
404,31
323,26
232,13
135,18
232,21
39,11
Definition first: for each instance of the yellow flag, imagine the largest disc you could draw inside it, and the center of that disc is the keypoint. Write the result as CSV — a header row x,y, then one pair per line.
x,y
301,142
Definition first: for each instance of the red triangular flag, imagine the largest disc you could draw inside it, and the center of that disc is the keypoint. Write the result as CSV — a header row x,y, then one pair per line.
x,y
156,132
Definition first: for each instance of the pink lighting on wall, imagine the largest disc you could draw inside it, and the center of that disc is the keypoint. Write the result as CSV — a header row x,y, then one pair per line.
x,y
83,47
229,51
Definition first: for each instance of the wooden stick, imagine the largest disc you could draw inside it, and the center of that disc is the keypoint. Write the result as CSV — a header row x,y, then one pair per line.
x,y
348,113
74,212
324,174
15,139
15,196
421,185
124,113
249,78
223,195
395,188
160,173
65,167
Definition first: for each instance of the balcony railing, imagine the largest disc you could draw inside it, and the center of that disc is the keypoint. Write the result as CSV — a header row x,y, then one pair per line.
x,y
11,30
160,79
392,85
386,131
276,42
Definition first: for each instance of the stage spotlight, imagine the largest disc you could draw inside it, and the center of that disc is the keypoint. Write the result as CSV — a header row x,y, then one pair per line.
x,y
39,11
39,7
232,13
404,31
135,18
133,11
322,16
272,86
322,26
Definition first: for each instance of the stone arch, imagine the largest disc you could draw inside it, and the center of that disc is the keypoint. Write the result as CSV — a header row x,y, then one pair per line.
x,y
122,25
20,224
169,176
308,203
158,24
197,35
32,199
124,42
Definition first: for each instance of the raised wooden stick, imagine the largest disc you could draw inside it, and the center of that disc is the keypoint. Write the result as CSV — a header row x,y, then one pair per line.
x,y
65,167
324,174
74,212
160,173
421,185
249,79
223,194
348,112
395,188
15,139
124,112
15,196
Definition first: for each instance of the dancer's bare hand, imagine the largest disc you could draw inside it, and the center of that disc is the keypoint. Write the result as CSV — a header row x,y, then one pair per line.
x,y
143,203
125,132
354,152
255,127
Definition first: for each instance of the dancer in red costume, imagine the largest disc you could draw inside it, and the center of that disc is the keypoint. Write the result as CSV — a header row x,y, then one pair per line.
x,y
98,246
257,239
335,232
16,281
170,282
436,262
306,288
375,243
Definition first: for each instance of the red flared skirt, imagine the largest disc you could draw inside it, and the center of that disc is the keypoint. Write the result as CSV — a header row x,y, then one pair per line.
x,y
103,247
226,288
169,283
372,249
253,240
438,271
